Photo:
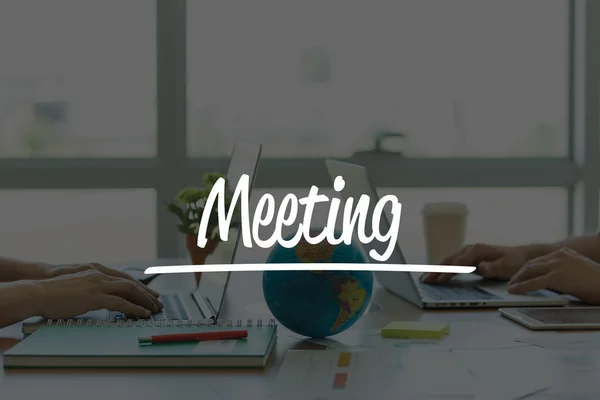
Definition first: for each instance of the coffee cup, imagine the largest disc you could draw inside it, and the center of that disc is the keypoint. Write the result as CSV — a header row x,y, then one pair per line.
x,y
445,228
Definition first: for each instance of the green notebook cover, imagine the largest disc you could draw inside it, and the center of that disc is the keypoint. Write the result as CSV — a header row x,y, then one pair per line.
x,y
117,347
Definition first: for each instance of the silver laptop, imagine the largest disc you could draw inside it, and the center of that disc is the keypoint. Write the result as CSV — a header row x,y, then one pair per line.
x,y
465,291
205,303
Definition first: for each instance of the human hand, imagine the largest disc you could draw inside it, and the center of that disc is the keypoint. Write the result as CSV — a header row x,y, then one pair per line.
x,y
70,295
53,271
500,262
565,271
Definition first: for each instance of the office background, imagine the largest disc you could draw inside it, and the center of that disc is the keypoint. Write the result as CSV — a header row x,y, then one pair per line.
x,y
108,108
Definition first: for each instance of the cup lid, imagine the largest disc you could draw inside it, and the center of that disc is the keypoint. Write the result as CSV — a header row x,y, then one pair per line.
x,y
445,207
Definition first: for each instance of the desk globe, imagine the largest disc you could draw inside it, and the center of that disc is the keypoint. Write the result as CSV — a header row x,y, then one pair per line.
x,y
317,303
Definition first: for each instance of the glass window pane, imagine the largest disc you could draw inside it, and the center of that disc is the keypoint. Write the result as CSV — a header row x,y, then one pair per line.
x,y
77,78
460,78
507,216
66,226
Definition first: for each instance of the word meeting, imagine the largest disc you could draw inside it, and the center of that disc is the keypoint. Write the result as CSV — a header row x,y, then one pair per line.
x,y
287,214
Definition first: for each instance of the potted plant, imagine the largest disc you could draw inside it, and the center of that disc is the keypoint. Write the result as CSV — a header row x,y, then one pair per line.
x,y
188,206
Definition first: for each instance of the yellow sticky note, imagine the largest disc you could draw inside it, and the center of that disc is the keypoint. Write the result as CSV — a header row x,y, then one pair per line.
x,y
344,359
415,330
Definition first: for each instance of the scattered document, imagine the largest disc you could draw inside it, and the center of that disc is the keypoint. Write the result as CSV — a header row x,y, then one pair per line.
x,y
510,364
351,340
525,370
361,364
406,373
460,337
373,375
463,335
564,341
549,395
567,372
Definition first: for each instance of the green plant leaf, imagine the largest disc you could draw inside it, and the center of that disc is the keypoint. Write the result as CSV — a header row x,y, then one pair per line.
x,y
175,209
211,178
205,192
191,207
190,195
215,234
183,228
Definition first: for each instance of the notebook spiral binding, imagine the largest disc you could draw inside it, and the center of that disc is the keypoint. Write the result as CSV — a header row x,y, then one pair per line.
x,y
154,324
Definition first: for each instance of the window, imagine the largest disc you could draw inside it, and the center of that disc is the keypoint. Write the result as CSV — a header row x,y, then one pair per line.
x,y
78,225
491,102
77,78
460,78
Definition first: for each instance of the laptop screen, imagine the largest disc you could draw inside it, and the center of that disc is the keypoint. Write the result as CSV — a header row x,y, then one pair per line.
x,y
244,160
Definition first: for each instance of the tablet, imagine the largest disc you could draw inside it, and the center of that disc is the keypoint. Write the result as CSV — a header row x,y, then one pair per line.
x,y
555,318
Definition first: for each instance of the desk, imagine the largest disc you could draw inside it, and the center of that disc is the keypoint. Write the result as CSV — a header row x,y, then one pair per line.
x,y
243,301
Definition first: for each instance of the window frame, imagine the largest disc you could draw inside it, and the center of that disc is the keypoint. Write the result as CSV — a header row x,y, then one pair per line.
x,y
172,169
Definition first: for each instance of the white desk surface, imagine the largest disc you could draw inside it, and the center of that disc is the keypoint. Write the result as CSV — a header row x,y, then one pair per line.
x,y
244,300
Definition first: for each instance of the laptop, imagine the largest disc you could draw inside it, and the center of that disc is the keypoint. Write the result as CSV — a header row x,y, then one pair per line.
x,y
205,303
464,291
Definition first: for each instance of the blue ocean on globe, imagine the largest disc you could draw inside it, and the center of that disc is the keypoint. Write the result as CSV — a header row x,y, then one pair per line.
x,y
317,303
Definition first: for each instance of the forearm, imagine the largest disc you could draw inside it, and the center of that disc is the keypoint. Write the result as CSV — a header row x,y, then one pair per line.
x,y
14,270
588,245
18,301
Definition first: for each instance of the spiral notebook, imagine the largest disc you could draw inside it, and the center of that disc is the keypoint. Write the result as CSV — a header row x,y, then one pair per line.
x,y
95,344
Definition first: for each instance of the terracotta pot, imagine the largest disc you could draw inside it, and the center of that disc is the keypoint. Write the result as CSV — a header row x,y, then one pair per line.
x,y
199,254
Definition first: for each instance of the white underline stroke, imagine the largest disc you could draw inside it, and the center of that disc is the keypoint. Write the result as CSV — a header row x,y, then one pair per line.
x,y
182,269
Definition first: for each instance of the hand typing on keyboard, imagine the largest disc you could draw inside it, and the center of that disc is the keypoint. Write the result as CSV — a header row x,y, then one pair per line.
x,y
565,271
499,262
173,309
32,289
71,295
532,268
457,293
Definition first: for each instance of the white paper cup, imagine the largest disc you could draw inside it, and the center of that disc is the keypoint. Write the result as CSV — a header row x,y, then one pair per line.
x,y
445,228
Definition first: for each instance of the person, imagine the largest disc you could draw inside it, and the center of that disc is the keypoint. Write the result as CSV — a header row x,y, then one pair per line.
x,y
29,289
570,267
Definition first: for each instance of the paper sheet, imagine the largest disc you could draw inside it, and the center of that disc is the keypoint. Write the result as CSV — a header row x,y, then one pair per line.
x,y
320,375
564,341
569,373
508,363
425,371
352,340
373,375
455,340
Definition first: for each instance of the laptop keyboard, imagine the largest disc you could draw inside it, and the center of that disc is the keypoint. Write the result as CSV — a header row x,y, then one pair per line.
x,y
172,310
436,292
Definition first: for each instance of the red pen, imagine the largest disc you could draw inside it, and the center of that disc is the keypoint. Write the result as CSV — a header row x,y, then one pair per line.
x,y
193,337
